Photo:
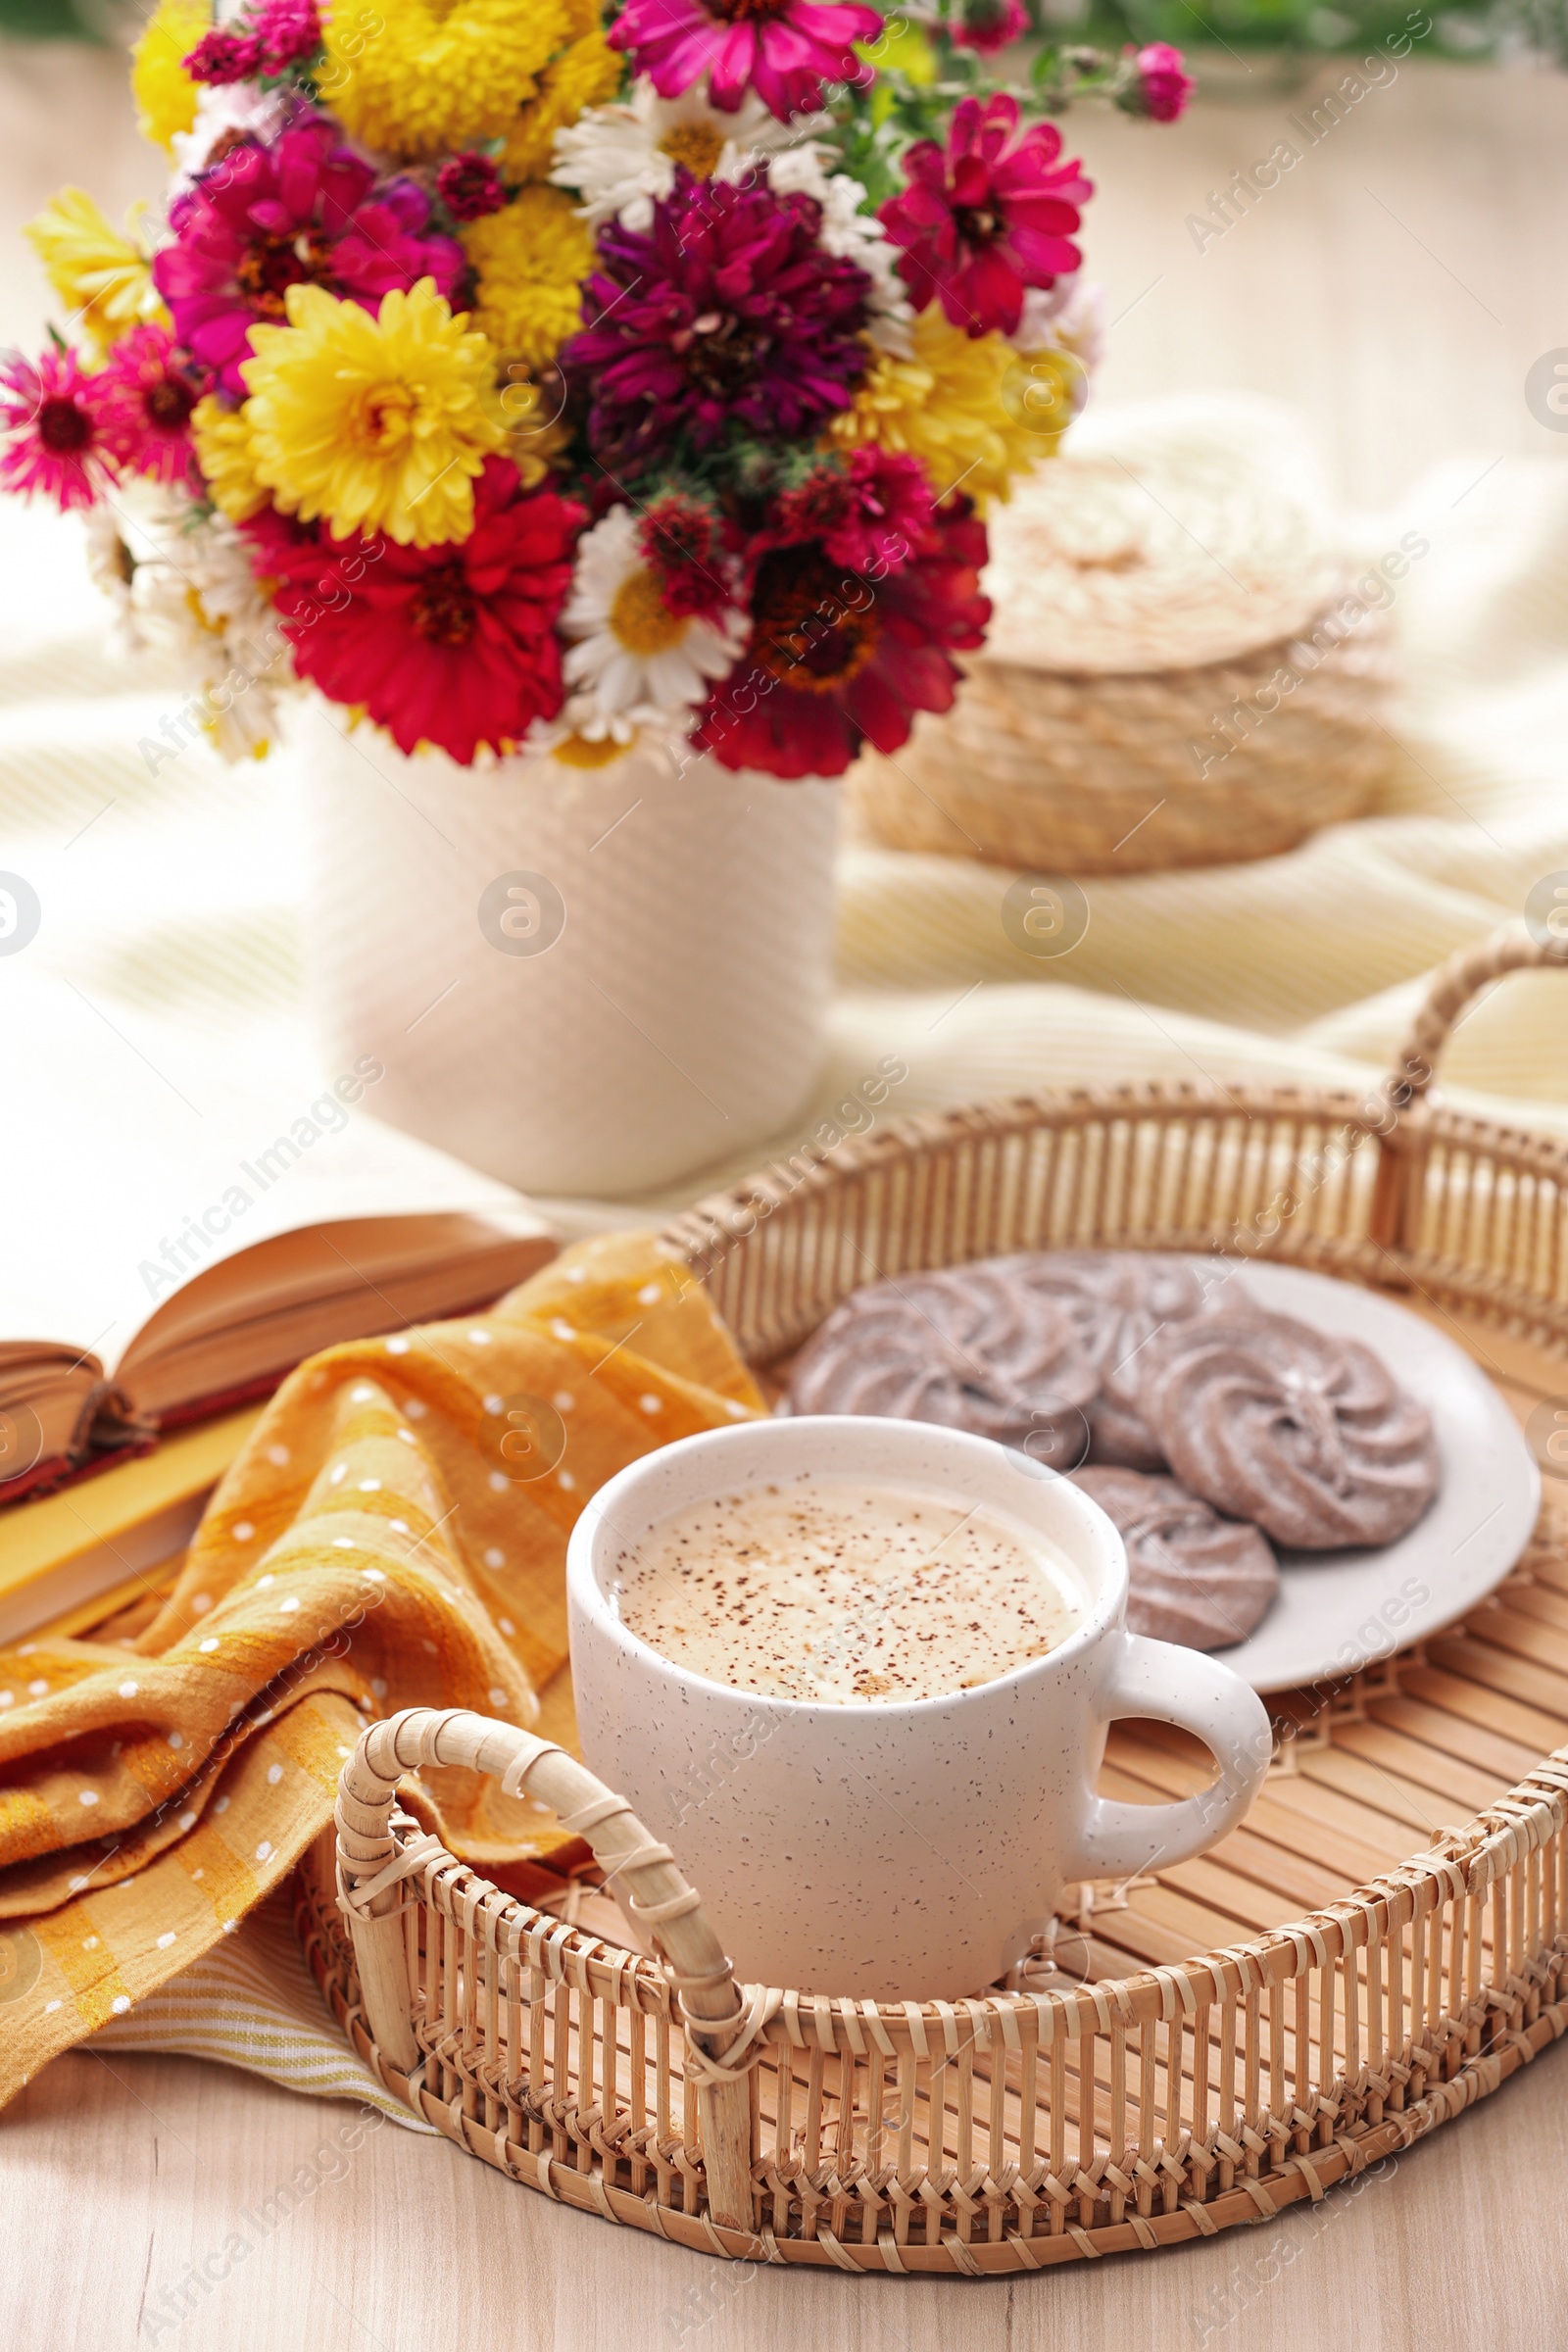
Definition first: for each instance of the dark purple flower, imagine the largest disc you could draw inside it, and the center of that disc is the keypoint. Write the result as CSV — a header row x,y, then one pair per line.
x,y
727,312
266,217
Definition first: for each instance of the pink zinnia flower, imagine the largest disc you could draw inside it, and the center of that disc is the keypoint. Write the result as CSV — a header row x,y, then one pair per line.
x,y
53,439
839,658
222,56
287,30
990,24
988,218
782,49
143,399
1157,83
454,644
728,311
265,217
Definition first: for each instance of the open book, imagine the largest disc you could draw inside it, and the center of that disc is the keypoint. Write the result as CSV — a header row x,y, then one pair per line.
x,y
175,1242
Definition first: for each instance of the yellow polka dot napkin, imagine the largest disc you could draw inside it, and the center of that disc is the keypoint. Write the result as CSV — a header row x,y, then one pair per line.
x,y
393,1535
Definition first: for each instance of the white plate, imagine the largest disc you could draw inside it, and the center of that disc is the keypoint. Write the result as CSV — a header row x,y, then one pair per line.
x,y
1339,1611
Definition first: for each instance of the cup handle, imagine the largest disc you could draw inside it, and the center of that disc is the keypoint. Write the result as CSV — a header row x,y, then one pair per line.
x,y
1159,1681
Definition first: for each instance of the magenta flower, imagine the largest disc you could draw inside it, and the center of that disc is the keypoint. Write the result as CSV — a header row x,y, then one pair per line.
x,y
782,49
275,34
53,440
143,398
266,217
988,218
990,24
727,312
1158,83
288,30
222,56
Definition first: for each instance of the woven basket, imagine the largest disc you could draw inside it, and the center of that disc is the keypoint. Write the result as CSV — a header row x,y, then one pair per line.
x,y
1163,2096
1084,773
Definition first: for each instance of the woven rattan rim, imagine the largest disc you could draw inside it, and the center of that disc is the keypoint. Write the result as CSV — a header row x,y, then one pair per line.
x,y
1018,2131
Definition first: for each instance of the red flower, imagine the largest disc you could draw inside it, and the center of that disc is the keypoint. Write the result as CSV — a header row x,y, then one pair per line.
x,y
871,514
49,421
782,49
840,657
143,399
988,218
453,644
682,536
469,186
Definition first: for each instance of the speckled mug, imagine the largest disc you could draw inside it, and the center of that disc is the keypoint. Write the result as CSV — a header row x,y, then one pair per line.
x,y
896,1851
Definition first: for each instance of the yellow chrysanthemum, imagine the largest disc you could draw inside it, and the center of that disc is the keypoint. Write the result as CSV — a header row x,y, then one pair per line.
x,y
100,276
164,93
956,405
423,78
375,424
584,74
531,260
223,438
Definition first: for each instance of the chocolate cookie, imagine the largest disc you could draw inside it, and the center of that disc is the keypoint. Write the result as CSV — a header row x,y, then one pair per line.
x,y
1302,1431
1195,1578
1117,1300
971,1348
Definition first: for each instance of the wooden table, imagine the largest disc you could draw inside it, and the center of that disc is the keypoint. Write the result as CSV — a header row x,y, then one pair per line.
x,y
116,2179
1398,285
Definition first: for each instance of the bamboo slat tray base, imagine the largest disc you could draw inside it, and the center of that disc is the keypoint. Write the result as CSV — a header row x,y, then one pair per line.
x,y
1381,1943
1364,1774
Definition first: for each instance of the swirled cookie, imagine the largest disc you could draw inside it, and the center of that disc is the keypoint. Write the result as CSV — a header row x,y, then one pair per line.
x,y
1117,1300
1304,1433
1194,1577
971,1347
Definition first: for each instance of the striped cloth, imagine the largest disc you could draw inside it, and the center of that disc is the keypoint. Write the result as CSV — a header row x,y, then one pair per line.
x,y
251,2002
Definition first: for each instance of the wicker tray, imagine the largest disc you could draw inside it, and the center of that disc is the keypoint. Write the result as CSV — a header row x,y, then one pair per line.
x,y
1349,1993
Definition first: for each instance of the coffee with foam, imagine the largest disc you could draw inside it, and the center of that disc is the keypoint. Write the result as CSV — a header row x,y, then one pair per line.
x,y
838,1591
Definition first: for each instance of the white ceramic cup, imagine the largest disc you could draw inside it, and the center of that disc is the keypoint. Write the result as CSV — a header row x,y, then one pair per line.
x,y
893,1851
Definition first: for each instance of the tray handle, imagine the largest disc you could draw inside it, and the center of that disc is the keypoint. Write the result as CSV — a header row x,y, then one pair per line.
x,y
1454,986
717,2022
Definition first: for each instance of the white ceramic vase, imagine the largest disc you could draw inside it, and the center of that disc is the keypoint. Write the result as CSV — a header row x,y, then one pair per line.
x,y
580,981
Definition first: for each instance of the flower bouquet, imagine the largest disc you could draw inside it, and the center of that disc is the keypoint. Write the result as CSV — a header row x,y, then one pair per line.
x,y
607,402
524,381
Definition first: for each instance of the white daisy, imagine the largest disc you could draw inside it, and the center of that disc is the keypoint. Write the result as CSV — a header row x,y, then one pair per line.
x,y
193,593
634,663
112,568
620,159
